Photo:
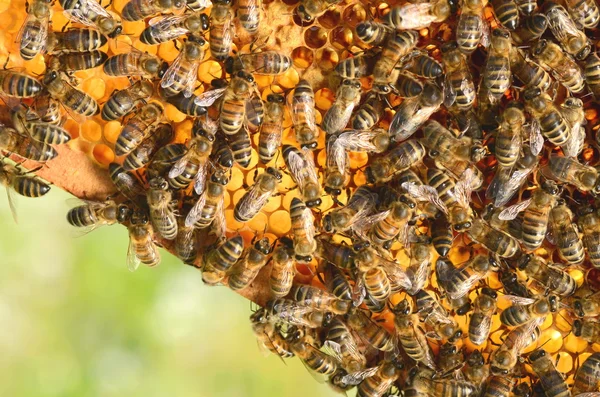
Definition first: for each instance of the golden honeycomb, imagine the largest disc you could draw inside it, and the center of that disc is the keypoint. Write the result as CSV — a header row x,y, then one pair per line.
x,y
315,48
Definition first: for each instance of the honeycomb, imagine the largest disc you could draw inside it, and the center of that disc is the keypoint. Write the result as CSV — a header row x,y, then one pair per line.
x,y
315,47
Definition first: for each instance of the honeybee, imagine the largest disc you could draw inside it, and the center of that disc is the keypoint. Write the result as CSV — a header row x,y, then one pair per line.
x,y
127,183
532,28
28,123
433,314
497,76
423,382
413,112
14,142
162,214
587,330
241,147
75,40
122,102
182,74
340,255
162,30
220,259
472,28
442,143
441,235
141,247
394,224
371,32
268,335
410,335
336,167
573,40
313,358
186,243
91,13
569,170
477,372
340,340
507,181
72,98
370,331
187,105
417,15
319,299
504,358
425,66
243,273
395,48
524,310
338,115
507,13
257,196
565,234
589,224
586,378
500,386
210,203
283,269
164,158
249,15
290,312
396,160
19,85
587,306
369,113
308,10
34,32
572,111
137,10
509,137
303,230
198,5
91,214
406,86
549,277
136,63
356,67
379,380
138,127
14,179
336,282
48,109
303,171
270,63
269,139
563,68
584,13
71,62
526,7
302,109
546,118
360,204
221,29
142,155
457,282
459,87
193,166
551,380
481,319
496,241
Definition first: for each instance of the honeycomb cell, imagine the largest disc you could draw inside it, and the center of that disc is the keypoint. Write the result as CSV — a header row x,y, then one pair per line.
x,y
324,98
209,71
575,344
226,200
150,49
259,222
359,178
134,28
72,127
36,66
237,179
552,340
264,81
315,37
91,131
330,19
279,222
327,58
172,114
303,57
103,154
564,362
95,87
232,224
341,37
118,5
167,51
358,160
121,46
273,204
354,14
289,79
4,4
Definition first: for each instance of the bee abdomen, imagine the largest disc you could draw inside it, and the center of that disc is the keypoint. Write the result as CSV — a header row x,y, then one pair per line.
x,y
81,216
30,187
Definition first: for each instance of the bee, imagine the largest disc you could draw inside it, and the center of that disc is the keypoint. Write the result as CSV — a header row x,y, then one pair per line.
x,y
336,166
394,224
441,235
313,358
290,312
459,87
472,26
91,215
48,109
75,40
569,170
24,184
563,68
524,310
141,247
504,358
219,260
509,137
407,86
283,269
164,158
433,314
122,102
303,230
127,183
507,13
589,224
526,7
172,27
268,335
319,299
303,172
496,241
210,203
241,147
270,63
441,143
450,359
19,85
572,111
339,255
162,214
271,129
417,15
193,166
186,243
72,98
182,74
308,10
507,181
551,380
142,155
257,196
587,306
380,380
243,273
409,334
584,12
249,15
395,48
424,383
373,33
413,112
396,160
572,40
91,13
137,10
302,109
198,5
587,330
498,386
336,282
344,344
136,63
457,282
71,62
360,204
477,372
34,32
546,117
338,115
137,128
497,74
221,29
550,277
368,330
481,319
369,113
187,105
28,124
586,378
356,67
14,142
532,28
425,66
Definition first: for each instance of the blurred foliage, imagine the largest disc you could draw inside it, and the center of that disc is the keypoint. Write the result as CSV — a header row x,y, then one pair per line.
x,y
75,322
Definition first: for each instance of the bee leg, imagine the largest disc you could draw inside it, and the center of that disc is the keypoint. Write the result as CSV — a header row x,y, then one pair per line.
x,y
176,45
7,60
65,27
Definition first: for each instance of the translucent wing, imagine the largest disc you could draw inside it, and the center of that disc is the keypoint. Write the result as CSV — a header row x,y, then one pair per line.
x,y
172,74
310,169
395,273
254,113
308,221
463,188
12,203
536,139
512,212
219,224
133,262
337,118
359,291
444,269
525,332
401,127
355,378
562,25
200,178
254,199
358,141
281,310
574,145
196,211
449,92
79,15
483,328
419,276
519,300
179,166
510,186
333,349
305,106
425,193
367,223
27,36
336,155
209,97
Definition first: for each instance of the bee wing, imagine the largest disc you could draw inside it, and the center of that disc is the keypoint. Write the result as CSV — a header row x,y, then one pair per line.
x,y
402,121
254,199
561,24
357,141
519,300
195,212
449,92
297,165
333,349
336,155
425,193
12,203
26,36
367,223
525,332
207,98
190,79
536,139
133,262
79,15
512,212
200,178
359,291
172,73
395,273
574,145
511,185
354,378
308,109
463,188
219,224
298,311
444,269
179,166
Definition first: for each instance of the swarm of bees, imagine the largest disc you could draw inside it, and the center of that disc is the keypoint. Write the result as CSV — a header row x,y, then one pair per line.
x,y
452,261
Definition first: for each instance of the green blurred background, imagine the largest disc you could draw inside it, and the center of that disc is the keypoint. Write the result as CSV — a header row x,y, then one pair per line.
x,y
75,322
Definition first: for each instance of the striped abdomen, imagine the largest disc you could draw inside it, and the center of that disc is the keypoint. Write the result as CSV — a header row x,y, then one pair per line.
x,y
185,178
30,49
164,223
468,32
221,259
462,84
82,216
586,378
269,140
241,147
497,76
534,226
590,241
29,186
47,133
19,85
498,386
118,105
80,103
233,112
